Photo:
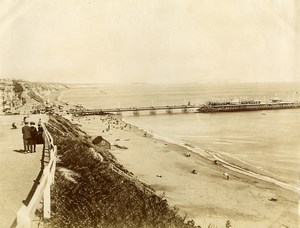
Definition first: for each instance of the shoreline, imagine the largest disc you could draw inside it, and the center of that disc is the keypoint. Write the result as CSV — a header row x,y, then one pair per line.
x,y
212,157
164,165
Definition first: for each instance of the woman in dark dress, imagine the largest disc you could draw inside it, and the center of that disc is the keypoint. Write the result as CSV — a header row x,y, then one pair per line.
x,y
40,139
34,134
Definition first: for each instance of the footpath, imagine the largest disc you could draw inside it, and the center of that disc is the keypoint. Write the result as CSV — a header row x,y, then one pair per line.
x,y
17,169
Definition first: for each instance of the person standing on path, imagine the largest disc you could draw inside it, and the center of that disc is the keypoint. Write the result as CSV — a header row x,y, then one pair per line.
x,y
34,135
40,136
26,131
24,119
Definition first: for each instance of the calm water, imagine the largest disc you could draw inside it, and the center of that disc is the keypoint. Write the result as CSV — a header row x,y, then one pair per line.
x,y
266,142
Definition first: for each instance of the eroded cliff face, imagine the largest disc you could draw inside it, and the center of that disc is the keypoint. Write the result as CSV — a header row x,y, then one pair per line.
x,y
37,97
92,190
39,91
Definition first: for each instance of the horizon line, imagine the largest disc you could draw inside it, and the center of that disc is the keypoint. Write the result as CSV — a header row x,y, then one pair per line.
x,y
154,83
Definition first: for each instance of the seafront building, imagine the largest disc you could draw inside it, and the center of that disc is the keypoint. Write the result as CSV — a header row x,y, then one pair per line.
x,y
9,99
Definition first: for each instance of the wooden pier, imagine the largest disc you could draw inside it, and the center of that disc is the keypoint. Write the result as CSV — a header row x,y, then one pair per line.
x,y
136,110
201,108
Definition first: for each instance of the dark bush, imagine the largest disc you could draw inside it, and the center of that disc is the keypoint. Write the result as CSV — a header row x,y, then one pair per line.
x,y
18,88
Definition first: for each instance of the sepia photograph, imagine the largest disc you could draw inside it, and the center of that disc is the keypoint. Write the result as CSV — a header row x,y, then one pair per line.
x,y
149,113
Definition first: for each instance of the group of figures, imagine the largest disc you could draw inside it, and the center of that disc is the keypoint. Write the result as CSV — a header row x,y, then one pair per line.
x,y
32,136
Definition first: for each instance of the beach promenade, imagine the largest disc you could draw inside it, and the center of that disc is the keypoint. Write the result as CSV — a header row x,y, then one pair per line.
x,y
17,170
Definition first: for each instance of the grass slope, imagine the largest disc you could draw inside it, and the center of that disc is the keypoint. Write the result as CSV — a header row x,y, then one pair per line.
x,y
87,193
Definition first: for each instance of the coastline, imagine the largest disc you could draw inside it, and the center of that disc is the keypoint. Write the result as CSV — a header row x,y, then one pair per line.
x,y
277,160
166,168
206,198
226,163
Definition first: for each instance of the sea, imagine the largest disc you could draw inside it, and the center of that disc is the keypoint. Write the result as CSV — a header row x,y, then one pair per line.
x,y
262,142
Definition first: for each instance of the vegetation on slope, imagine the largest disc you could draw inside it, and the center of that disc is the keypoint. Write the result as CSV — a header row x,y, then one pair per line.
x,y
34,96
38,91
18,88
88,193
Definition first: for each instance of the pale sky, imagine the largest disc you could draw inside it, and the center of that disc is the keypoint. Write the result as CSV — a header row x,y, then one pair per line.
x,y
150,41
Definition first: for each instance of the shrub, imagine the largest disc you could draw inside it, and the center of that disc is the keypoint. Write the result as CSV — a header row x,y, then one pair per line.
x,y
18,88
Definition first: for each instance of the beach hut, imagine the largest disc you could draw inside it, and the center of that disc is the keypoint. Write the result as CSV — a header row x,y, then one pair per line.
x,y
101,142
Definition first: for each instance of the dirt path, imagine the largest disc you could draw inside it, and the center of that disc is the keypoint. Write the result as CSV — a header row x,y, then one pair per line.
x,y
17,170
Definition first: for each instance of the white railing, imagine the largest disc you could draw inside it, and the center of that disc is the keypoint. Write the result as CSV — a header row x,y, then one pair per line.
x,y
26,213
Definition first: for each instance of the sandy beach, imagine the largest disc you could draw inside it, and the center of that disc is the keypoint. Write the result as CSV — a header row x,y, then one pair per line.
x,y
207,197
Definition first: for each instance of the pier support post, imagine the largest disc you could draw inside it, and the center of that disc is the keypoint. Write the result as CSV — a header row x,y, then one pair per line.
x,y
184,110
136,113
152,112
169,111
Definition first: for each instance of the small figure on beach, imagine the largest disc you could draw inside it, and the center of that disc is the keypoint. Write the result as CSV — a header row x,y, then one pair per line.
x,y
13,126
195,172
26,131
145,134
159,176
273,199
226,176
228,224
188,154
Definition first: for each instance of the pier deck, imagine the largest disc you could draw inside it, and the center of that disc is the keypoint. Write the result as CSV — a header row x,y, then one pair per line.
x,y
191,108
136,110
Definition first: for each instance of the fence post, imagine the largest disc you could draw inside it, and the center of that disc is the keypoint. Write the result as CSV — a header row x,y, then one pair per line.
x,y
23,218
47,197
52,171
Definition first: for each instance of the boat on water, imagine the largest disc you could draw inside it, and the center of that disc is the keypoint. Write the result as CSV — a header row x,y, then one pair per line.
x,y
237,105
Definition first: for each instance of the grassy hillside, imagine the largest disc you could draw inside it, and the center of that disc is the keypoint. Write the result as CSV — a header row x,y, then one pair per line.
x,y
88,193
